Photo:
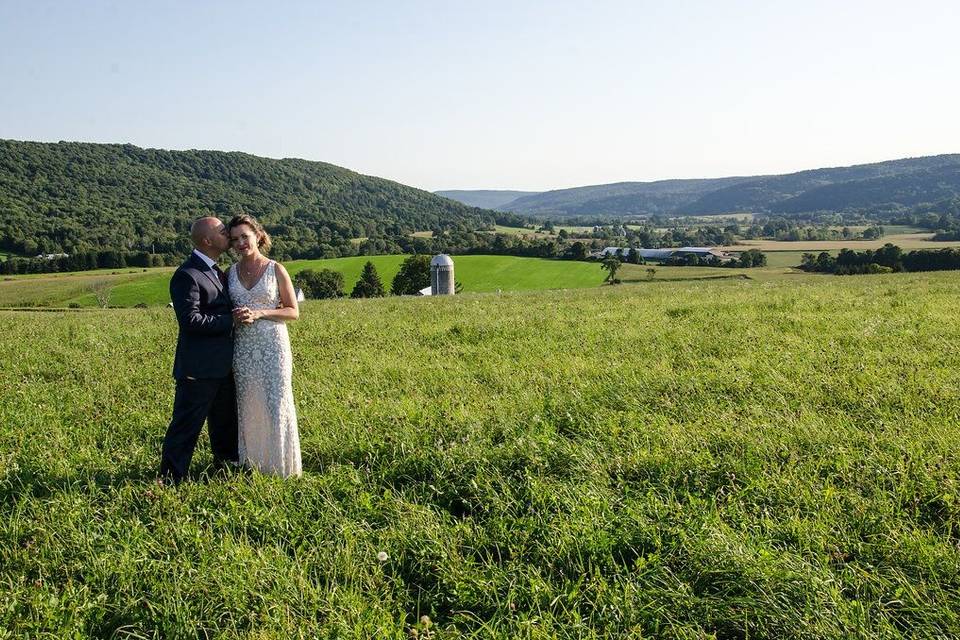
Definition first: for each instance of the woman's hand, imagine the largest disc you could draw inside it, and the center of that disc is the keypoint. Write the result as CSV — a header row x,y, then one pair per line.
x,y
245,315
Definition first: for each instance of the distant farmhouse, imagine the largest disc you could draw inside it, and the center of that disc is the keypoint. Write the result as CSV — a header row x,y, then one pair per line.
x,y
618,230
662,255
52,256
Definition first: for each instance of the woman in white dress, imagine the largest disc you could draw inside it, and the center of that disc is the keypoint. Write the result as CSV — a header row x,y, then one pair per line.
x,y
263,301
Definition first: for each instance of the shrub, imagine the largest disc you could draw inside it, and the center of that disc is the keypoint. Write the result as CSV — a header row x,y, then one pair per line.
x,y
319,285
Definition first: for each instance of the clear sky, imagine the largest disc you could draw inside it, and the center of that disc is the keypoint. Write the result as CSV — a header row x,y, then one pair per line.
x,y
500,95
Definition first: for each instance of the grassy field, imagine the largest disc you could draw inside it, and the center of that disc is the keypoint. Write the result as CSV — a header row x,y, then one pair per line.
x,y
785,258
477,273
130,287
905,241
574,231
719,459
62,289
518,231
897,229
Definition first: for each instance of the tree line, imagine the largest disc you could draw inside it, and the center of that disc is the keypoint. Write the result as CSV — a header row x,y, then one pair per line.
x,y
889,258
87,260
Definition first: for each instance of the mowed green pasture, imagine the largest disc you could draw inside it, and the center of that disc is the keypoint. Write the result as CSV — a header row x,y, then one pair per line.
x,y
476,273
786,258
62,289
716,459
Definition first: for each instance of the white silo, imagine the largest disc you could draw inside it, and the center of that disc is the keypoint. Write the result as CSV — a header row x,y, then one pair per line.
x,y
441,276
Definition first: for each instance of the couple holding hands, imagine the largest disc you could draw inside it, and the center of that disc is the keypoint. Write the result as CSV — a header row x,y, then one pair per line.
x,y
233,366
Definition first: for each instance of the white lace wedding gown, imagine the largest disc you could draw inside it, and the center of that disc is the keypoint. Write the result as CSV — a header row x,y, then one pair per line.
x,y
263,370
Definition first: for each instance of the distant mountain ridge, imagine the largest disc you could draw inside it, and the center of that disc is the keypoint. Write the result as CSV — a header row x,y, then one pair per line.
x,y
484,198
898,183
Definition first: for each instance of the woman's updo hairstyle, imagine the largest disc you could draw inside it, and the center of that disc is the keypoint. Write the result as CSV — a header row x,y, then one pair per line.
x,y
263,238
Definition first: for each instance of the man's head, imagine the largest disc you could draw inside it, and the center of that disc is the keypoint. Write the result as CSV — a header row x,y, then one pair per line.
x,y
210,236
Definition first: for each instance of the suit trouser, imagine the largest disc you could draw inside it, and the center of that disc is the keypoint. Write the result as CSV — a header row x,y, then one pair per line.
x,y
210,399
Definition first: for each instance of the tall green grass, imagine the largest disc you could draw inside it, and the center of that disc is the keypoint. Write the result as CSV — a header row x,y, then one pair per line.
x,y
723,459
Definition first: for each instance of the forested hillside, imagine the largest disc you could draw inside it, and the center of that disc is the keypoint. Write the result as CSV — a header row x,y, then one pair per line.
x,y
892,185
620,198
74,197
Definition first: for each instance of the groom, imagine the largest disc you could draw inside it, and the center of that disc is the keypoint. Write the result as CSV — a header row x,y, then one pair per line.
x,y
203,362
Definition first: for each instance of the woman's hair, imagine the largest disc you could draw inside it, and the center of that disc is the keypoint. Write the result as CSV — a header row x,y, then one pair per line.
x,y
263,238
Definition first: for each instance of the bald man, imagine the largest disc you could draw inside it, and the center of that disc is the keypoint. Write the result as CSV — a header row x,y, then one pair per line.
x,y
203,364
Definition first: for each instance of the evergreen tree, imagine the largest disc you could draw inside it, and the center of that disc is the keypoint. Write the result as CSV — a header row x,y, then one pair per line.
x,y
369,284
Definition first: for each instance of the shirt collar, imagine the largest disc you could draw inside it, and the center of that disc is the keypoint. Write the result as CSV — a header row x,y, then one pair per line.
x,y
206,259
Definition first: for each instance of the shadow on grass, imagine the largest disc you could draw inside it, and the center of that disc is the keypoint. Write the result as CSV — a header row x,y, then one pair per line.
x,y
34,482
733,276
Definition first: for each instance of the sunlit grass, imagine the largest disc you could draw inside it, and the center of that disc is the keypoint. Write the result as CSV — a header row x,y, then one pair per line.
x,y
675,459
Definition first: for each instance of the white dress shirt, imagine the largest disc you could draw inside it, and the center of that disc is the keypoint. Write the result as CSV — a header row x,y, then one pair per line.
x,y
206,259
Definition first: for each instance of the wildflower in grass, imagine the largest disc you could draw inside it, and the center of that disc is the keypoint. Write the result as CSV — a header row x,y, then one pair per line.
x,y
382,556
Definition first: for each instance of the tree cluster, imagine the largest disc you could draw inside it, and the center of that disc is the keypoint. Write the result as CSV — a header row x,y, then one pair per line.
x,y
87,260
888,258
319,285
746,260
413,277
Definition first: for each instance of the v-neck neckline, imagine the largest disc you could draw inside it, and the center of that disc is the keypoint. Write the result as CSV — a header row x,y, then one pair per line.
x,y
254,285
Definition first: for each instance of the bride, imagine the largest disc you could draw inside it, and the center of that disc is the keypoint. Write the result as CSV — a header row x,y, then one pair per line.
x,y
263,300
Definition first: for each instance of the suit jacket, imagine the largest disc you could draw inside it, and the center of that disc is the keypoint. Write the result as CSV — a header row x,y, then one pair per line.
x,y
204,313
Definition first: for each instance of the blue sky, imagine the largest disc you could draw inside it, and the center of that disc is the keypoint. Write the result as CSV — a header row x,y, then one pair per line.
x,y
511,95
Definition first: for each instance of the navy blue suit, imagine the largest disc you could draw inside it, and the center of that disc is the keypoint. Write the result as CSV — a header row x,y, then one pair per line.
x,y
203,369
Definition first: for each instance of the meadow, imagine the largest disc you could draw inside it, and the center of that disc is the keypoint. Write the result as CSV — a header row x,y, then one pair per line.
x,y
907,240
713,459
131,287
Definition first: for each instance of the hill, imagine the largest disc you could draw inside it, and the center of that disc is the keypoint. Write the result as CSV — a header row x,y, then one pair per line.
x,y
485,199
73,197
725,460
892,184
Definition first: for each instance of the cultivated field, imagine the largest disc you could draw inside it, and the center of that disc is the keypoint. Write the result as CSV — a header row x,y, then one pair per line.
x,y
718,459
